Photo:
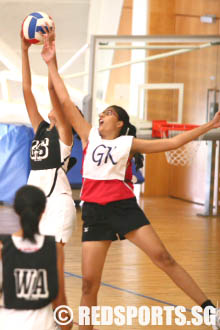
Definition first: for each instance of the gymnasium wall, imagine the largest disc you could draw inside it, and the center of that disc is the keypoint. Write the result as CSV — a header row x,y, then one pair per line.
x,y
200,71
120,78
161,22
197,70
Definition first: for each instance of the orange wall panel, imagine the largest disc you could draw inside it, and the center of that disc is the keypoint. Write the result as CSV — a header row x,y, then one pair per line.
x,y
162,17
121,76
156,175
161,21
197,7
196,70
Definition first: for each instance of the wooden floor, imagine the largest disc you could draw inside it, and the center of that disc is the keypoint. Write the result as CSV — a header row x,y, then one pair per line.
x,y
130,279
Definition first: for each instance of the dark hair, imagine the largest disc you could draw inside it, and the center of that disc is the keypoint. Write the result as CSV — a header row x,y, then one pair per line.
x,y
128,129
29,204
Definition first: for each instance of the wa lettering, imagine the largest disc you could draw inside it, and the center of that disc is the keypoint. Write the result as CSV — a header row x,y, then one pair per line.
x,y
39,149
31,284
102,154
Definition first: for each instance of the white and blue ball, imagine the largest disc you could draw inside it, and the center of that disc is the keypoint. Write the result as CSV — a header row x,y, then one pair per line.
x,y
32,26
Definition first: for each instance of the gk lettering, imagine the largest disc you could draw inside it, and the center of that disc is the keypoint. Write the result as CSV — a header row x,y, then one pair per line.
x,y
102,154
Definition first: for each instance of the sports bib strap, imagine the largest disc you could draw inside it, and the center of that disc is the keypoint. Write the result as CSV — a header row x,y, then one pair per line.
x,y
55,176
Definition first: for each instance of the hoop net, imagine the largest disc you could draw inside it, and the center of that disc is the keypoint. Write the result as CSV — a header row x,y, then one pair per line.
x,y
184,155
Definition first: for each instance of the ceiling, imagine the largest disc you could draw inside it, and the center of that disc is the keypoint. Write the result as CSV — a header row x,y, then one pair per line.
x,y
71,19
76,21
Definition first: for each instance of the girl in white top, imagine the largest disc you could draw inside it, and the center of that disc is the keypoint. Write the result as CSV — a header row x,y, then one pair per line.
x,y
94,250
26,255
50,152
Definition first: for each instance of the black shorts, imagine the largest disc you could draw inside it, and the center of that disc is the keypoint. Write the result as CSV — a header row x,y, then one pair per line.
x,y
111,221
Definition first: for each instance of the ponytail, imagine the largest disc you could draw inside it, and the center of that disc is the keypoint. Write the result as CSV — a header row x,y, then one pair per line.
x,y
128,129
29,204
138,160
29,223
131,130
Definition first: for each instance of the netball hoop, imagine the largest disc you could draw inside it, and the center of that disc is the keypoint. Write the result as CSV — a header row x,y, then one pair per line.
x,y
182,156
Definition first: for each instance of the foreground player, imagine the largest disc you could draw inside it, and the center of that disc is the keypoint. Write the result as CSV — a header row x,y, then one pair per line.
x,y
50,153
31,282
110,208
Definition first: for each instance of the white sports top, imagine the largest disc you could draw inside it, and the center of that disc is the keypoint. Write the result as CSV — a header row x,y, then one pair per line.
x,y
106,159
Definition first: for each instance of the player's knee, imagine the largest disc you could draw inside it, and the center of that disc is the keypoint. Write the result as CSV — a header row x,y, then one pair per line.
x,y
90,285
163,259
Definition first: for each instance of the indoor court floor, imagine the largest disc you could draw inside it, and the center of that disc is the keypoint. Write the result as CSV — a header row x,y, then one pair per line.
x,y
130,278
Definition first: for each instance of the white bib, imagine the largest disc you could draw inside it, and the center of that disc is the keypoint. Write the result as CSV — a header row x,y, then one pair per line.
x,y
106,159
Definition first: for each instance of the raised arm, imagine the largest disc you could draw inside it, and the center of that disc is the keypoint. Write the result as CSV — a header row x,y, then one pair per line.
x,y
62,124
152,146
29,99
80,125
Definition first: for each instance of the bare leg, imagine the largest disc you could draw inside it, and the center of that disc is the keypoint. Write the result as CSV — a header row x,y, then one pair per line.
x,y
61,244
148,241
93,259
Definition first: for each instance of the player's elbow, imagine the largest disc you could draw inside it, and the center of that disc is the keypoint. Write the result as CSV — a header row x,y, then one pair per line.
x,y
26,89
66,103
175,143
51,87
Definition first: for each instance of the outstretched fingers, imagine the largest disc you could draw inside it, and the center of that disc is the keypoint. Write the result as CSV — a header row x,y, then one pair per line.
x,y
216,120
50,30
48,50
46,42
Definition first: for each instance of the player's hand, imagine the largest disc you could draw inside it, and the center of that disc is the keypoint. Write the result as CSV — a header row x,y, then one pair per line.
x,y
48,51
50,30
216,120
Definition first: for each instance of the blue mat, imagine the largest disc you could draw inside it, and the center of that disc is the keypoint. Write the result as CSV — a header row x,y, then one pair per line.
x,y
15,143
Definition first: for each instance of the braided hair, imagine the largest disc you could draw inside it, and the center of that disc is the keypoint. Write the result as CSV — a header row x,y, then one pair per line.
x,y
29,204
128,129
